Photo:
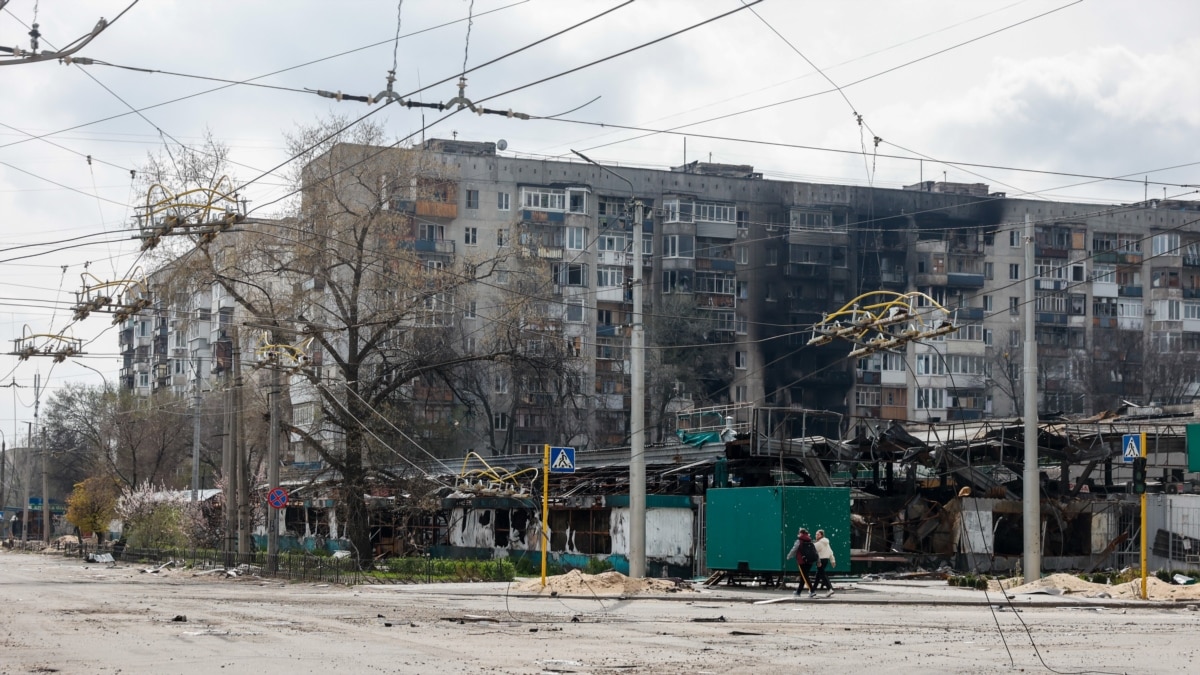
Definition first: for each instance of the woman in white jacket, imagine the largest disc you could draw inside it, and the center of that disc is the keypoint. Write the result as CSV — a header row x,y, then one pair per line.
x,y
825,559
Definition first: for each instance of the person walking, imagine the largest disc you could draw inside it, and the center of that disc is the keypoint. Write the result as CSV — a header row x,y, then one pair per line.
x,y
805,553
825,559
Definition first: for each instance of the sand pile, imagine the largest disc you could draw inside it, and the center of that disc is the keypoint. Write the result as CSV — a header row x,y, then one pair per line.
x,y
1069,584
608,584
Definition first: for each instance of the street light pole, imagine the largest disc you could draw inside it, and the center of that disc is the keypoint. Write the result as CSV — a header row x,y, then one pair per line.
x,y
637,394
1031,478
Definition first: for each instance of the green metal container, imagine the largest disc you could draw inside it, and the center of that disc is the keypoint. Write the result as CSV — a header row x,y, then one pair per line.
x,y
751,529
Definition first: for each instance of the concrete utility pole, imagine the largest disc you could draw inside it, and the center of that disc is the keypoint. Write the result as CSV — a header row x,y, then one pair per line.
x,y
637,414
241,460
196,435
637,395
229,472
274,515
27,469
1031,480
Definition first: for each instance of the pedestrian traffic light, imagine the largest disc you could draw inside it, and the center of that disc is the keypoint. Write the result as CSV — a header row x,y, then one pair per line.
x,y
1139,475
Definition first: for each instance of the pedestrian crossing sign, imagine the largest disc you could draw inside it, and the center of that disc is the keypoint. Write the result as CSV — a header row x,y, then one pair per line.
x,y
1131,447
562,460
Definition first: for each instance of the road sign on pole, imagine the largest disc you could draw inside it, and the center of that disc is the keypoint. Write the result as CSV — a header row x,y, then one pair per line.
x,y
277,498
1132,447
562,460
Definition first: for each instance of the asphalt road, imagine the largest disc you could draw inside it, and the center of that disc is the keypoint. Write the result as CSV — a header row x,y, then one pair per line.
x,y
60,616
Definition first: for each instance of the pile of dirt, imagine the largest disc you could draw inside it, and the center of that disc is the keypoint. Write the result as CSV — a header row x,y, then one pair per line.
x,y
608,584
1069,584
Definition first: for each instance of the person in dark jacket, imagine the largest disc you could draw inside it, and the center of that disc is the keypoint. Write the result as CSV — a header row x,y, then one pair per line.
x,y
805,553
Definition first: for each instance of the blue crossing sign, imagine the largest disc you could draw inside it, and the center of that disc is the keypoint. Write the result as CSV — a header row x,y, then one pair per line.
x,y
562,460
1132,446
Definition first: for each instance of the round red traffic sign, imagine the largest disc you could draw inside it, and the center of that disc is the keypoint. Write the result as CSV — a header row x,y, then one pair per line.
x,y
277,498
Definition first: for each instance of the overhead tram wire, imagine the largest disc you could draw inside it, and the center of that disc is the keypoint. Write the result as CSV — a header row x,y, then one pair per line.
x,y
249,81
651,132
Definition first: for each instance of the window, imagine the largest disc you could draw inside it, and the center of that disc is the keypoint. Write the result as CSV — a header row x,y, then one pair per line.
x,y
499,383
604,317
570,274
503,201
471,236
679,246
1129,243
574,311
431,232
610,276
812,220
472,199
741,324
1014,338
1128,309
469,312
1014,305
647,244
576,238
772,256
611,242
928,399
1104,274
1014,238
715,213
1104,241
678,211
1191,310
743,255
988,270
500,421
1014,271
969,332
544,199
987,303
677,281
502,276
740,394
577,201
869,397
179,366
500,237
987,336
143,379
739,360
1165,244
930,364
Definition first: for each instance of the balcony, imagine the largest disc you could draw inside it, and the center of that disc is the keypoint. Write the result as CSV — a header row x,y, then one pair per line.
x,y
1129,291
442,246
1104,321
543,252
603,330
717,300
1050,284
1117,258
1191,293
964,280
1053,318
808,270
969,313
543,216
1191,261
868,377
715,264
1043,251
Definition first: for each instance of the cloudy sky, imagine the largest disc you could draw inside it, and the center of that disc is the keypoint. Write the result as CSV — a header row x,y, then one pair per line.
x,y
1030,96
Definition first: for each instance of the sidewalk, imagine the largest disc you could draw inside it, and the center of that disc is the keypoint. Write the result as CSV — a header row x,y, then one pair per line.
x,y
882,592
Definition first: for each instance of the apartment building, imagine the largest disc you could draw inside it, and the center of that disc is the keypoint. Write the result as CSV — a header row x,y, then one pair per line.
x,y
736,270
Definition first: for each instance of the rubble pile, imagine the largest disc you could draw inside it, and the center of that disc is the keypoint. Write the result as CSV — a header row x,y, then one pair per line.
x,y
607,584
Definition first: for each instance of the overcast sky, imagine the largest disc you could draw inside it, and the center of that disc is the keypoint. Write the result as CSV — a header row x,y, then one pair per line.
x,y
1103,88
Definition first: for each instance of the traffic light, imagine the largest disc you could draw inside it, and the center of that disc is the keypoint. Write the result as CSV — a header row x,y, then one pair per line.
x,y
1139,475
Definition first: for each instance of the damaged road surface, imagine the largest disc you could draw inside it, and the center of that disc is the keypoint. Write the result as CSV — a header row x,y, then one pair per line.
x,y
71,617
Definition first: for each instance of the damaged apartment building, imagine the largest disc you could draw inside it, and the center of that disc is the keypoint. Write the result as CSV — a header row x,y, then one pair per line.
x,y
736,270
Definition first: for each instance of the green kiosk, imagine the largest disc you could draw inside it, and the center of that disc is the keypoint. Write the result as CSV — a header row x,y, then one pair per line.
x,y
750,530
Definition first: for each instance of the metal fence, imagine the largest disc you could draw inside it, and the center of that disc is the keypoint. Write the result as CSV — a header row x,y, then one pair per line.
x,y
296,566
